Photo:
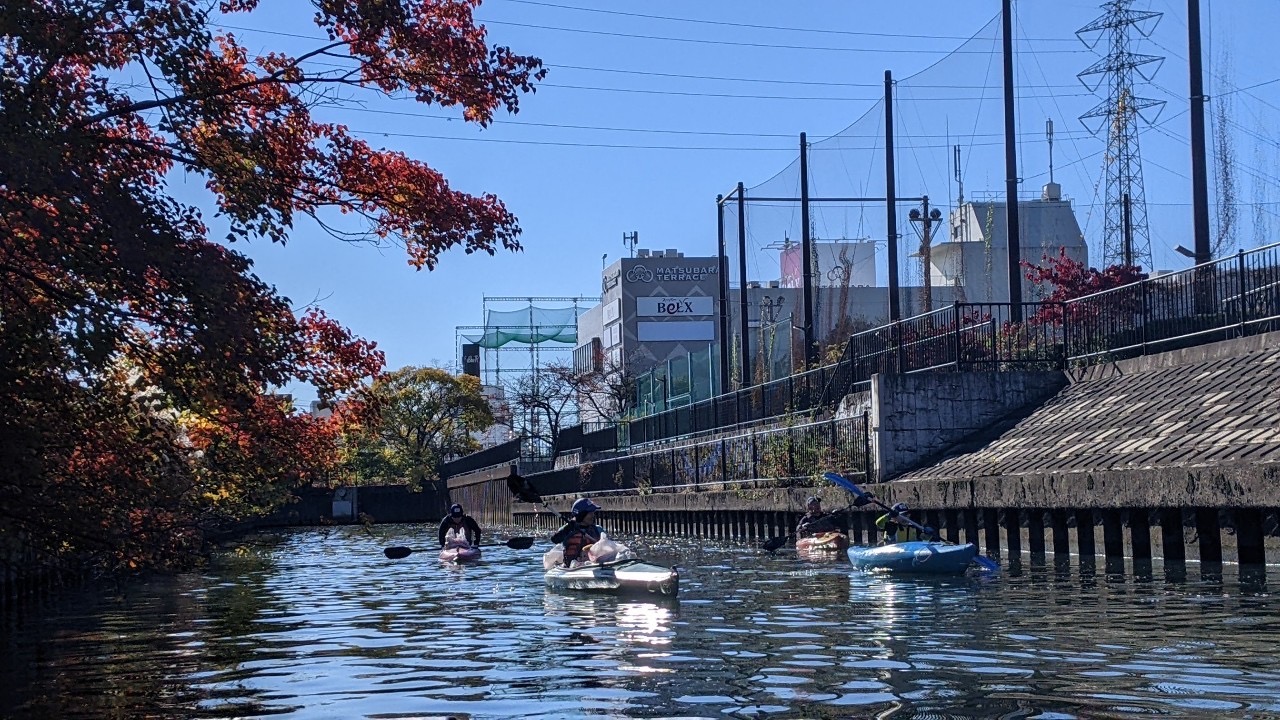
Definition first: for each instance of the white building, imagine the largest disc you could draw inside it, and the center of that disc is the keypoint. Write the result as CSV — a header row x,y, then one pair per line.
x,y
975,258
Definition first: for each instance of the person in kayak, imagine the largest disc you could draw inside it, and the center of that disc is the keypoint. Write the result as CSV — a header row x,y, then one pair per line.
x,y
460,522
581,532
817,520
896,529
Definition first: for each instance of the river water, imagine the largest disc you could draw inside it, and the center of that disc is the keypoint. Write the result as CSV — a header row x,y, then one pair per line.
x,y
318,624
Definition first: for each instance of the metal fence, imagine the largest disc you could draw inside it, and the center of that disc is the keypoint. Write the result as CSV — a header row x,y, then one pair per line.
x,y
1231,297
782,456
797,393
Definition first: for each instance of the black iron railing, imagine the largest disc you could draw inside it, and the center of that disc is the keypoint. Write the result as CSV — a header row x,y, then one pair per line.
x,y
1231,297
784,456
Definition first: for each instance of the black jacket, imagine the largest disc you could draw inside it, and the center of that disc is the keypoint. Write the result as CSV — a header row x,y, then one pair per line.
x,y
814,523
468,523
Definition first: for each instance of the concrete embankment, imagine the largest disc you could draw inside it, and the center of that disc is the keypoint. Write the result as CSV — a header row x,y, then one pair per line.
x,y
1173,456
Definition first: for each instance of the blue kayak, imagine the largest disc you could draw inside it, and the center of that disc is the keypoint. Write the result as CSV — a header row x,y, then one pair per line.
x,y
915,557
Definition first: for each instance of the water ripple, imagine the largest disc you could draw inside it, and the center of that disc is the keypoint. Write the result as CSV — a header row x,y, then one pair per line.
x,y
318,624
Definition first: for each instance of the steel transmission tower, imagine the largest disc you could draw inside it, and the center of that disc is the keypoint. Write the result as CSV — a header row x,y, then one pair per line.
x,y
1125,236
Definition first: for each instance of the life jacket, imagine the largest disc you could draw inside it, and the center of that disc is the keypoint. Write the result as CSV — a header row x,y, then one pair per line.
x,y
895,532
584,535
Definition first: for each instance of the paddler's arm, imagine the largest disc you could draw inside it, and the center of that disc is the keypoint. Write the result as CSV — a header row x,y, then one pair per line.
x,y
473,526
563,533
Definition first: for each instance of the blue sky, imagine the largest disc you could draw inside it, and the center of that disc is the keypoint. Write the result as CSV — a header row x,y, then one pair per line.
x,y
643,120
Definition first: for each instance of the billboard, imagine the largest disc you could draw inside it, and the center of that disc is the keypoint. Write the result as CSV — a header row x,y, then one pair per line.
x,y
668,307
471,359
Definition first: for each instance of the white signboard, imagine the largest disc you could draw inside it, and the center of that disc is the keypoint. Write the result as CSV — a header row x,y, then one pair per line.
x,y
660,306
612,311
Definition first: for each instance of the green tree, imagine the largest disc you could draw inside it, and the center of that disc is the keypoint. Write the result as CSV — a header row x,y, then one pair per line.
x,y
425,416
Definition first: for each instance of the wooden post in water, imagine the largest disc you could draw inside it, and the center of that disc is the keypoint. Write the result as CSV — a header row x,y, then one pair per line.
x,y
1086,543
933,519
1013,532
1210,532
1249,541
971,526
1035,533
1140,533
1061,537
953,525
1113,541
1172,541
991,531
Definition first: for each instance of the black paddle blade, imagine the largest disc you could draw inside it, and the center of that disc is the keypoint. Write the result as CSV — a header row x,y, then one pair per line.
x,y
522,489
773,543
861,500
520,543
396,553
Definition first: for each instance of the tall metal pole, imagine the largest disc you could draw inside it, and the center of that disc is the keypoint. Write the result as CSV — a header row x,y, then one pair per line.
x,y
1011,172
891,201
806,256
745,357
1199,171
926,250
724,295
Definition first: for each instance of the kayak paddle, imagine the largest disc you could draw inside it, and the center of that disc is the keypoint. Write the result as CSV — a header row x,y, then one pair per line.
x,y
864,497
399,551
773,543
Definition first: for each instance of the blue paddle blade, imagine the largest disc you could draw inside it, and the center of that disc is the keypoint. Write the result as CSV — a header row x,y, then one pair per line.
x,y
986,563
844,483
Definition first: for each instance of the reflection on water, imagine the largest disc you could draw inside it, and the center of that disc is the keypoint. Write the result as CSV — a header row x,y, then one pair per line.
x,y
318,624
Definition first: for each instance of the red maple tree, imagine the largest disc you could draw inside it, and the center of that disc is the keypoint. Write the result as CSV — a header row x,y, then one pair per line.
x,y
134,350
1068,279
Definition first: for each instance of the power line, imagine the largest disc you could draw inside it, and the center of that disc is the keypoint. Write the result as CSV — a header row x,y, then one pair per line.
x,y
828,98
661,131
651,73
733,43
725,23
819,83
554,143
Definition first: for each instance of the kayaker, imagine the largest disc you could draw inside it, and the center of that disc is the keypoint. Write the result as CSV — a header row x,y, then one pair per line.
x,y
581,532
895,530
460,522
816,520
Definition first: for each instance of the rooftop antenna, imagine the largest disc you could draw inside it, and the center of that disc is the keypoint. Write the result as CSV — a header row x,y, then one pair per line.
x,y
959,178
1048,130
630,240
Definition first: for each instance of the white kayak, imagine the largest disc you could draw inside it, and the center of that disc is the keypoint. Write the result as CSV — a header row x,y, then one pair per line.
x,y
619,576
609,567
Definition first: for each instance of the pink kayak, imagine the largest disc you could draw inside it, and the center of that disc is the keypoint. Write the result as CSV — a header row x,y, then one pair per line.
x,y
460,554
457,550
827,543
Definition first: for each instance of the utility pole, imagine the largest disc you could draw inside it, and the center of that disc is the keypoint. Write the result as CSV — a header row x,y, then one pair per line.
x,y
806,257
891,201
926,218
724,296
1199,169
1011,172
745,355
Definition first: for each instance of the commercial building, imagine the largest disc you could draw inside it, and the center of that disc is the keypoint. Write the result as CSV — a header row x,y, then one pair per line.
x,y
656,307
